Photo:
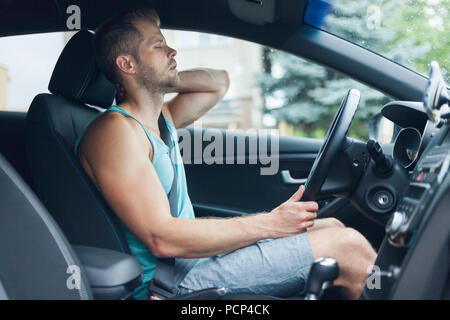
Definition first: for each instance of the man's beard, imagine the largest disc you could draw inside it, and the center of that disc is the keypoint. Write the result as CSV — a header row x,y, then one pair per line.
x,y
154,82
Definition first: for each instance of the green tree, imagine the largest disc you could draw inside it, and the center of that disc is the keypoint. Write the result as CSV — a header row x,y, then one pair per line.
x,y
307,95
424,25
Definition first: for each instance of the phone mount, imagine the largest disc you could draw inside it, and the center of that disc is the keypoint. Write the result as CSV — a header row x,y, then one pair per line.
x,y
436,95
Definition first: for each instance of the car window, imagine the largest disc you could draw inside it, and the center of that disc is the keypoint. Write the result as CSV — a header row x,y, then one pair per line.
x,y
271,89
411,33
26,65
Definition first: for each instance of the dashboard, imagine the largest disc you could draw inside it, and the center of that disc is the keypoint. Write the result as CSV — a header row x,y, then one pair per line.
x,y
414,258
426,178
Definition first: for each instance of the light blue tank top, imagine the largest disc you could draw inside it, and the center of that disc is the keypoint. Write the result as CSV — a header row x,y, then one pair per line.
x,y
162,164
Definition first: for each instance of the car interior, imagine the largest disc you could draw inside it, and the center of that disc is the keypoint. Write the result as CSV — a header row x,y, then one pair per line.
x,y
54,219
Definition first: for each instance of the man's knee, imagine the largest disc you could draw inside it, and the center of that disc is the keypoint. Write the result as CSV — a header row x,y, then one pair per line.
x,y
351,237
353,241
326,223
336,223
338,241
352,251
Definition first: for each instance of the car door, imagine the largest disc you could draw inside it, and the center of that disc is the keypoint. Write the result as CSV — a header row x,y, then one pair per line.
x,y
254,149
251,173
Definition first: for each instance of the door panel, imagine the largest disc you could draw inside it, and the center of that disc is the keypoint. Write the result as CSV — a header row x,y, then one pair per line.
x,y
235,183
227,190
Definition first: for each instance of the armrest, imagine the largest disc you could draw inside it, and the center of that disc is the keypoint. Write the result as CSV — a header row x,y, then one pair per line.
x,y
111,274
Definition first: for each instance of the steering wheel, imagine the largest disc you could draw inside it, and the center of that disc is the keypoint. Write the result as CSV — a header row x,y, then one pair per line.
x,y
332,145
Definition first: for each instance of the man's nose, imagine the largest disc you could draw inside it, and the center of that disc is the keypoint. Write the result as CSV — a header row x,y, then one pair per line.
x,y
172,52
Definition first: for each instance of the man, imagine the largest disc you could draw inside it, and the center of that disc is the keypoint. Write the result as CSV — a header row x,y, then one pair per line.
x,y
122,152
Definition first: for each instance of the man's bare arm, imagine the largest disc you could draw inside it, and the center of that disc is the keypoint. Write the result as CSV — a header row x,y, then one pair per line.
x,y
215,236
198,91
113,152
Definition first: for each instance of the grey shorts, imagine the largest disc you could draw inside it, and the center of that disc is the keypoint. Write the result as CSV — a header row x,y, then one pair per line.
x,y
276,267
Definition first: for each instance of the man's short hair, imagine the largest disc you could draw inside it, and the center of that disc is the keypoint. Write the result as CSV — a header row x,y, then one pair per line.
x,y
120,35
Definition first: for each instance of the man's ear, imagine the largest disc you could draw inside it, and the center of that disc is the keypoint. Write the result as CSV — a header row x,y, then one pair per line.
x,y
126,64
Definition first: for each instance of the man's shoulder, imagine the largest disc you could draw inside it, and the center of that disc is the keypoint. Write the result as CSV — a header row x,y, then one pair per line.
x,y
111,130
112,124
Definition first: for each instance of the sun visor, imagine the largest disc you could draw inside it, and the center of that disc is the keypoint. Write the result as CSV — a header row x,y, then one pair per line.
x,y
256,12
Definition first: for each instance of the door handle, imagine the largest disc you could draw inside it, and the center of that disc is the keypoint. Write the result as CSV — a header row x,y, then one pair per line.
x,y
288,179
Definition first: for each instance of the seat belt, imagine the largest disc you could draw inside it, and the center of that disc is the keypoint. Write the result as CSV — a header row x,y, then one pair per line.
x,y
170,271
173,193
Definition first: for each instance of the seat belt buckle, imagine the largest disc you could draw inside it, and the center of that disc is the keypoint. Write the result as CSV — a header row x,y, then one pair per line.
x,y
159,293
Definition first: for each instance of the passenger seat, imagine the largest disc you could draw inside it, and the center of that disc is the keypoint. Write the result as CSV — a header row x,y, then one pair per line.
x,y
35,254
37,262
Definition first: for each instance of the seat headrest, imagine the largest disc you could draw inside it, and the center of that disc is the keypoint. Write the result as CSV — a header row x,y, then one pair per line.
x,y
77,76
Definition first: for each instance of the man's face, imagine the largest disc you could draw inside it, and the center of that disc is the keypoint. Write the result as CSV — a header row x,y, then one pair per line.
x,y
156,66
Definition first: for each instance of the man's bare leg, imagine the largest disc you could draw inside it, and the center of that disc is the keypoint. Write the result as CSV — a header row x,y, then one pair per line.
x,y
326,223
352,251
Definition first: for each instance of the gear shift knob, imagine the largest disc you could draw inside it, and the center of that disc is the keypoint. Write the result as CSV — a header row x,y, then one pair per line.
x,y
321,276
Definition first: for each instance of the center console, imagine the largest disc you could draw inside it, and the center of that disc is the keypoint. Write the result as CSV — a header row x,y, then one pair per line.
x,y
427,177
413,260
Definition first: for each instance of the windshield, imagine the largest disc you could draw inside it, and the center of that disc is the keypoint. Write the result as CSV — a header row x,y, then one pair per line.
x,y
409,32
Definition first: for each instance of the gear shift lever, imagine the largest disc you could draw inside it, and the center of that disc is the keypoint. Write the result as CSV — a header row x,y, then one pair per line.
x,y
321,276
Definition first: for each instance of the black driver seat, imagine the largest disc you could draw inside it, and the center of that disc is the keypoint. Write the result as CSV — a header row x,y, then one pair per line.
x,y
54,121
